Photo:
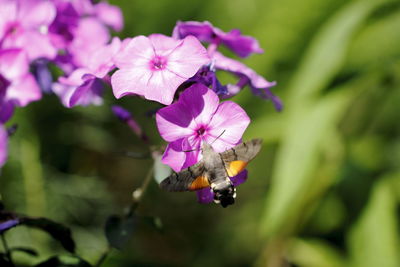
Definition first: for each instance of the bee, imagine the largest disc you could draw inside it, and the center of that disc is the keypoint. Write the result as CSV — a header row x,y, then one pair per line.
x,y
214,170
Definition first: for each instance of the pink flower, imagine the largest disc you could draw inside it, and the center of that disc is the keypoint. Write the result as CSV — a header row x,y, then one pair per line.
x,y
21,85
195,118
258,85
155,66
241,45
84,85
24,24
89,36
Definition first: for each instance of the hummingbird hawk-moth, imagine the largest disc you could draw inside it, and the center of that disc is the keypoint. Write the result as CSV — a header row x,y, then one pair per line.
x,y
214,171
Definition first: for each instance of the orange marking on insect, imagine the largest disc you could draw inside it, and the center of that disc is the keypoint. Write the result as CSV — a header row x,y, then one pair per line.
x,y
235,167
199,183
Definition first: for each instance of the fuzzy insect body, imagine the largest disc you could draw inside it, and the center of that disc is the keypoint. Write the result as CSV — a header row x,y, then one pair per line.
x,y
214,171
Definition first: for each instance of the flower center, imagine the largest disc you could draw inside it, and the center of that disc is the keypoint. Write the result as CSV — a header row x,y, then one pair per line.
x,y
201,130
12,28
158,63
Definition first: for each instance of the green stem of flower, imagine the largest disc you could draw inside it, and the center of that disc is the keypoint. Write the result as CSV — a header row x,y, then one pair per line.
x,y
137,195
103,257
6,249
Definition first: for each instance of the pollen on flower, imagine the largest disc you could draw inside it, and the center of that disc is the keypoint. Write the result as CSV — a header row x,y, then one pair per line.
x,y
158,63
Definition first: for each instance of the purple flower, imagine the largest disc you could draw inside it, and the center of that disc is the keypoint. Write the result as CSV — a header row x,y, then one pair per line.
x,y
207,76
79,88
195,118
84,85
89,36
4,226
109,15
3,145
19,84
42,74
247,76
242,45
206,195
155,66
24,24
65,23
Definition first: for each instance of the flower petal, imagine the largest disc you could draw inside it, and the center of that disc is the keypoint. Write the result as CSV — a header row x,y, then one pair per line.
x,y
8,12
24,90
173,156
242,45
37,45
205,195
88,93
36,13
236,67
201,102
231,121
101,61
137,52
202,30
161,86
163,45
130,81
174,122
240,178
13,63
110,15
6,111
188,58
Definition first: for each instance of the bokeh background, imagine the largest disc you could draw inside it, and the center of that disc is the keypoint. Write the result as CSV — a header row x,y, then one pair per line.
x,y
324,191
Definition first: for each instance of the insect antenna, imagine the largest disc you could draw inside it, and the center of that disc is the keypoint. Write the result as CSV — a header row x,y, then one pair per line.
x,y
210,144
218,137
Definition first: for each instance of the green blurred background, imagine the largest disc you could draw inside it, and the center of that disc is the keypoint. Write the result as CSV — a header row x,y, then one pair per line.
x,y
324,191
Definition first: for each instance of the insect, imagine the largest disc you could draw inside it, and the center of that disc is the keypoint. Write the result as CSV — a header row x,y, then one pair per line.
x,y
214,171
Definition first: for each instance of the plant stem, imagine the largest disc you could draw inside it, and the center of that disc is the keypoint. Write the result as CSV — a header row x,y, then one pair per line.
x,y
137,195
103,257
6,249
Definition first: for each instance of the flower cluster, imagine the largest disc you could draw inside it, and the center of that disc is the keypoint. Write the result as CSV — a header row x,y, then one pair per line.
x,y
181,73
72,35
178,71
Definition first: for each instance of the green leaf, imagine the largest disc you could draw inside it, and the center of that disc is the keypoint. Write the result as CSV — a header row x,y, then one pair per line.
x,y
328,50
374,239
56,230
64,261
28,251
314,253
376,44
309,120
298,157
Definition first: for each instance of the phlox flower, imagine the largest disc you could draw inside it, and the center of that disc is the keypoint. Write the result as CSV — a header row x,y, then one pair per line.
x,y
155,66
195,118
17,84
247,76
89,36
84,85
240,44
24,24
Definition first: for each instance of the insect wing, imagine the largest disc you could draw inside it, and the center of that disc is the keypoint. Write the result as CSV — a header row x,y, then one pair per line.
x,y
237,158
190,179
